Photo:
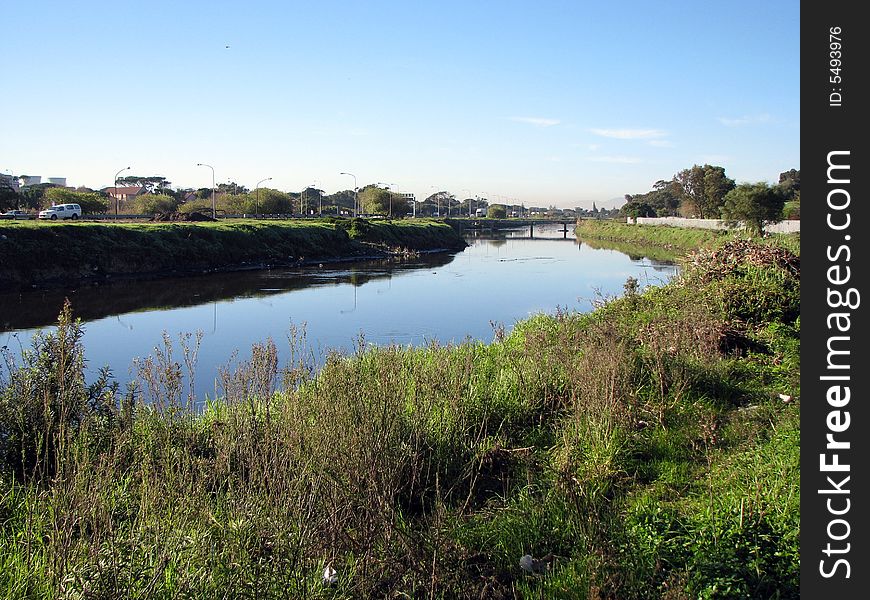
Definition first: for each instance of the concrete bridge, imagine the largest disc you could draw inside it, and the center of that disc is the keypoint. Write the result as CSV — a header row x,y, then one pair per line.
x,y
464,226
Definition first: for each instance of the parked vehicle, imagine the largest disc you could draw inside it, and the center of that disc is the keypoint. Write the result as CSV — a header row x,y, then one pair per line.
x,y
61,211
16,214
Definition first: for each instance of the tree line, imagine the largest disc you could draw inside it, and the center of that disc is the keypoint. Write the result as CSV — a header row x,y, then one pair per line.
x,y
706,192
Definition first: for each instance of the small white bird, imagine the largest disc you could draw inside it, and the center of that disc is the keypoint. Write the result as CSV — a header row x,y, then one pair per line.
x,y
329,575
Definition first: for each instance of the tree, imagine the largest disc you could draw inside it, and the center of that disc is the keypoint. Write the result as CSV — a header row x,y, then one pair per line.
x,y
378,201
497,211
32,195
153,184
153,204
9,198
790,182
754,204
637,207
311,199
342,199
437,203
702,190
275,202
231,187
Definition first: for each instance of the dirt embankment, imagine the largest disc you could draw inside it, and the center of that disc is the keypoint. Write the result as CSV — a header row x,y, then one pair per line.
x,y
63,254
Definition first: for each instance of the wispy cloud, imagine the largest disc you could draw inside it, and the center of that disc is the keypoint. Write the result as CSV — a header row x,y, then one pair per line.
x,y
623,160
661,143
744,120
630,134
539,121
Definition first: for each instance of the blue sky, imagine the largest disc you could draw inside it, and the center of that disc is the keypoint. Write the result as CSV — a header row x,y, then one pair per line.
x,y
540,103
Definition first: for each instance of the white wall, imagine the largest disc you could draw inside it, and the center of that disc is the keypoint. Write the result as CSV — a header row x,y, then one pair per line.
x,y
781,227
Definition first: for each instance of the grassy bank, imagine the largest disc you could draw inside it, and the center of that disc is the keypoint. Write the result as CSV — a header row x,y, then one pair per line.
x,y
639,451
37,253
647,239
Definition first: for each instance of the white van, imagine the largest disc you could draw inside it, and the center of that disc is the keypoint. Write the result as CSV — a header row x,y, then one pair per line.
x,y
61,211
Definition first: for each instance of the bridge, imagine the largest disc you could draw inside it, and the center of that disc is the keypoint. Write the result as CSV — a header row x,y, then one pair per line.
x,y
472,224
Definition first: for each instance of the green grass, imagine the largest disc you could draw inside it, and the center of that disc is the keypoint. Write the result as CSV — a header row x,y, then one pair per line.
x,y
641,449
37,252
651,240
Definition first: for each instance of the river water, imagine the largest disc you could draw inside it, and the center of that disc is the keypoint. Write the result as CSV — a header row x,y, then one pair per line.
x,y
445,297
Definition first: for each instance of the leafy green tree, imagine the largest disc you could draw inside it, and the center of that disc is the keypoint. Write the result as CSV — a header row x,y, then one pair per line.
x,y
9,197
754,204
378,201
91,202
152,204
635,206
790,182
702,190
203,193
275,202
496,211
32,195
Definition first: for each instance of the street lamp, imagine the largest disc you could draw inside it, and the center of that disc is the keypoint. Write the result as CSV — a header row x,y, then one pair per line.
x,y
316,186
115,183
257,188
437,201
390,186
213,210
485,197
469,203
355,212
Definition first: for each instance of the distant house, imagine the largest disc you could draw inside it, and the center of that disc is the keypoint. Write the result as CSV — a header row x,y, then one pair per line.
x,y
122,194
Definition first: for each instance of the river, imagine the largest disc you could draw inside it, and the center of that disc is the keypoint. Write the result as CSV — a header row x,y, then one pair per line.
x,y
443,297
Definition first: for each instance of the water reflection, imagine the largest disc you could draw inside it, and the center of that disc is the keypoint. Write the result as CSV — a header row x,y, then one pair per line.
x,y
37,308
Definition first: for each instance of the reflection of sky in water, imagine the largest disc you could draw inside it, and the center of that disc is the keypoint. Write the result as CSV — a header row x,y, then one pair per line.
x,y
491,281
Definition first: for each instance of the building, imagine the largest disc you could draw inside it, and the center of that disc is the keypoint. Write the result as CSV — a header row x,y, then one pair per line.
x,y
122,194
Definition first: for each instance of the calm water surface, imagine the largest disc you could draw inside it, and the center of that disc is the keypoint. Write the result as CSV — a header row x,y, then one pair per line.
x,y
446,297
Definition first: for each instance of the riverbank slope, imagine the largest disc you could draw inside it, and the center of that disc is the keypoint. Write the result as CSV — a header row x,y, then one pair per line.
x,y
676,240
61,253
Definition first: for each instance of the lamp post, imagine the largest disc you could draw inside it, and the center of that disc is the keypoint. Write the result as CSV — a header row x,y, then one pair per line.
x,y
213,209
469,203
355,212
258,192
115,184
485,197
437,200
390,186
316,186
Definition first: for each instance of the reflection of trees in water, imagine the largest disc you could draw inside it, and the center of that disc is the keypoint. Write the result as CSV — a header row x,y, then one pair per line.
x,y
28,310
